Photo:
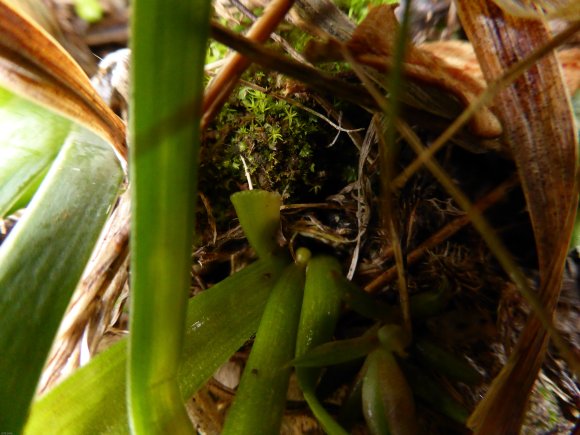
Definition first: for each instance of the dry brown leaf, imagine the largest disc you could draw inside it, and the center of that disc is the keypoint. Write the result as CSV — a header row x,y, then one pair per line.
x,y
373,43
34,65
570,61
539,128
460,55
566,9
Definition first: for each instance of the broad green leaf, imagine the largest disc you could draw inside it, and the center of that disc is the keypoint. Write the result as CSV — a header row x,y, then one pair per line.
x,y
30,138
165,112
261,397
220,320
222,323
42,261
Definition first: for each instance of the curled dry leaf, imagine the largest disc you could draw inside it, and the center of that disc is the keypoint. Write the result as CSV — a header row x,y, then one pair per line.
x,y
35,66
460,55
539,128
373,44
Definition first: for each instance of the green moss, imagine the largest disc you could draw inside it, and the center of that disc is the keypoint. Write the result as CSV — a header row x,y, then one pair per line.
x,y
284,148
273,138
215,51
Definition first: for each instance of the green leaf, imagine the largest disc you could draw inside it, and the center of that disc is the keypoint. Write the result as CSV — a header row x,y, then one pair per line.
x,y
321,306
167,95
387,397
340,351
447,363
261,397
259,215
42,261
423,305
373,407
220,320
89,10
320,312
30,138
367,306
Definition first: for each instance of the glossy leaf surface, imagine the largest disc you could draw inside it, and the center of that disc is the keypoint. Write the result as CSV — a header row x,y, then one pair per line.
x,y
43,259
30,138
220,320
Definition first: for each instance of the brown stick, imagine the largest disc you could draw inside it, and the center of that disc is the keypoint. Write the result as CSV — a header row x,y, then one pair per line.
x,y
224,83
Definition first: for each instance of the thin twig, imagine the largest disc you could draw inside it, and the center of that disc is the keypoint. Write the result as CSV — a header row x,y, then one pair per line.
x,y
272,60
224,83
444,233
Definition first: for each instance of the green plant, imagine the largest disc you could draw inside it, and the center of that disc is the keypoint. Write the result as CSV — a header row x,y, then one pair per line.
x,y
272,136
76,195
358,9
140,383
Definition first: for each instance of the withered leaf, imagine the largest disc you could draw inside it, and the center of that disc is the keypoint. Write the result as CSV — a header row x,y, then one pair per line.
x,y
35,66
373,43
539,128
460,55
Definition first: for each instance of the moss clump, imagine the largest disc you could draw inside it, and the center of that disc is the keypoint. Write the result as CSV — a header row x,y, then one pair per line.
x,y
280,146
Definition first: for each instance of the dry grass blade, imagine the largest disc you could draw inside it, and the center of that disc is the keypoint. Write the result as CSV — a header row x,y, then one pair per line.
x,y
33,65
540,130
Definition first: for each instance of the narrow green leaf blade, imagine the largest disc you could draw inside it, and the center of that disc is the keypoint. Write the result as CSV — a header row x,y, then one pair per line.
x,y
429,391
340,351
167,94
445,362
42,260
